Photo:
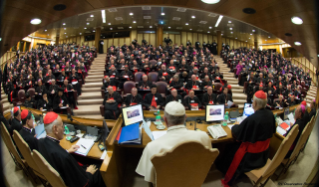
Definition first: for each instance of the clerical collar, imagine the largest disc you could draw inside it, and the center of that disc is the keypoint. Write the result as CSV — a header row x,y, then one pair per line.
x,y
53,139
26,129
176,127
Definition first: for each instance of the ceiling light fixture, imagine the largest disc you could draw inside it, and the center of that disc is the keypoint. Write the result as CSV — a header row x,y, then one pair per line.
x,y
103,16
210,27
193,17
134,21
229,21
87,23
231,32
93,30
246,40
268,36
80,33
266,40
63,24
84,27
296,20
210,1
109,23
249,38
219,20
186,23
236,38
230,28
222,34
251,33
190,29
163,14
92,16
297,43
130,27
111,28
169,27
131,14
253,30
45,30
151,27
64,33
35,21
64,28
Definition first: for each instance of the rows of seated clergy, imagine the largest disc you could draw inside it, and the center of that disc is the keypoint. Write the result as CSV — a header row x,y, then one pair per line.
x,y
284,83
182,68
48,70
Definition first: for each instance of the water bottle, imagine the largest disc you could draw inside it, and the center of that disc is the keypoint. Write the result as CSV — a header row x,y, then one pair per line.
x,y
158,117
34,123
66,129
225,119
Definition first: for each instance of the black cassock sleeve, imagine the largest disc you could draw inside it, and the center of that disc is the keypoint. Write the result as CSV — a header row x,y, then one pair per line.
x,y
147,100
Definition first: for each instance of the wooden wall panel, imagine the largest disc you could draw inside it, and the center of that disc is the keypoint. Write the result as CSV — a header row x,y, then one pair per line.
x,y
109,42
223,40
184,38
153,39
146,37
116,42
210,39
190,37
82,40
105,46
128,41
194,38
139,38
121,41
178,39
133,35
200,38
205,38
172,37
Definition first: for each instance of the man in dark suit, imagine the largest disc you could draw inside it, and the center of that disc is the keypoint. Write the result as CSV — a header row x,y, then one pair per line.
x,y
153,100
173,97
133,99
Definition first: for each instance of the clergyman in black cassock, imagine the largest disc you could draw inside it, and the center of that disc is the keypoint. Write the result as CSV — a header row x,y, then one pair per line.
x,y
26,131
110,102
133,99
250,149
174,97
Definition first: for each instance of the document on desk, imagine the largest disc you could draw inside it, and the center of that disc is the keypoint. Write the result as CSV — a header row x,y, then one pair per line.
x,y
280,130
158,134
85,146
146,126
230,126
103,155
229,104
39,131
291,118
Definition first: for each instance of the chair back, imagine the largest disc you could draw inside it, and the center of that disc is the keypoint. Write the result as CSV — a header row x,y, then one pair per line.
x,y
153,62
153,76
187,165
127,87
9,143
48,171
281,152
25,151
138,76
31,91
21,96
161,87
217,87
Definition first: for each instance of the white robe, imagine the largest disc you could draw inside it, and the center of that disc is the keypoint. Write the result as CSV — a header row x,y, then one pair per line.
x,y
175,135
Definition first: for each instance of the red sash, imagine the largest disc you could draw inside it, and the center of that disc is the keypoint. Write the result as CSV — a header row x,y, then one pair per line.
x,y
165,74
211,102
154,104
133,104
195,87
194,104
74,80
245,147
114,88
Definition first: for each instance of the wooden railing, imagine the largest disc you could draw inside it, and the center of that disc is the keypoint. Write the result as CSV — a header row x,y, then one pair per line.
x,y
10,55
306,65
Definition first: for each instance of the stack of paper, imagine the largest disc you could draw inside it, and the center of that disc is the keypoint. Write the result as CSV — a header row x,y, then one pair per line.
x,y
85,146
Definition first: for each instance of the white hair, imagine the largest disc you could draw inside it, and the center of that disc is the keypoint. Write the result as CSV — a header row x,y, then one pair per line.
x,y
48,128
260,103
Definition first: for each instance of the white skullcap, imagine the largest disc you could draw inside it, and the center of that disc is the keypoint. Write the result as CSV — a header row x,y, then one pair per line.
x,y
175,108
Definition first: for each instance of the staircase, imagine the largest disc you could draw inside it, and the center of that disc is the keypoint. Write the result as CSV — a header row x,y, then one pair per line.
x,y
311,94
91,99
4,100
239,97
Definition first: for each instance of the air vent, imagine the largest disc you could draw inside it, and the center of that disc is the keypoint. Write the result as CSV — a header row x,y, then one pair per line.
x,y
212,15
118,18
203,22
181,9
112,10
140,27
147,17
89,19
120,28
179,27
230,25
176,18
146,8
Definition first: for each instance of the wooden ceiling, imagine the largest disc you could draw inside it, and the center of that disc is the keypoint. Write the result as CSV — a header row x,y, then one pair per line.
x,y
272,16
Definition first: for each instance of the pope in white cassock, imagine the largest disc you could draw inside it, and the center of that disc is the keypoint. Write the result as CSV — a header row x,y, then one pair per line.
x,y
177,133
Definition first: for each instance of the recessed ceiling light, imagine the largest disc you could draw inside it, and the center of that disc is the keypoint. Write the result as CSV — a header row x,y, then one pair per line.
x,y
222,34
219,20
163,14
186,23
93,30
253,30
84,27
64,33
131,14
229,21
87,23
236,38
296,20
151,27
210,27
63,24
48,34
210,1
208,32
35,21
134,21
268,36
231,32
251,33
111,28
103,16
246,40
169,27
193,17
64,28
45,30
80,33
0,40
130,27
249,38
190,29
109,23
297,43
92,16
230,28
266,40
66,36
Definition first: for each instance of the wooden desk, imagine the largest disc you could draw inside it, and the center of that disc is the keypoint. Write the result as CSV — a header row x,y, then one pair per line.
x,y
94,153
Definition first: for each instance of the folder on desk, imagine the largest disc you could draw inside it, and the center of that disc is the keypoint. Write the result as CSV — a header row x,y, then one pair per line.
x,y
39,131
130,134
85,146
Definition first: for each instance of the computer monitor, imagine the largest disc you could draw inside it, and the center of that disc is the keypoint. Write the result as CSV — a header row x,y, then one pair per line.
x,y
132,114
286,113
248,109
214,113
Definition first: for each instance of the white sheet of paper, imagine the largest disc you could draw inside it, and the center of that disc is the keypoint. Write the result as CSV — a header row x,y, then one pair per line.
x,y
280,130
103,155
229,104
146,126
230,126
291,118
158,134
80,135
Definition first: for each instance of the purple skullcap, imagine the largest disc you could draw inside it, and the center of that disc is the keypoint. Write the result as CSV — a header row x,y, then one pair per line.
x,y
303,108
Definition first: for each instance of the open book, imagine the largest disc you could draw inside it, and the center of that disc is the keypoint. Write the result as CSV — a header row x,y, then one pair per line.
x,y
216,131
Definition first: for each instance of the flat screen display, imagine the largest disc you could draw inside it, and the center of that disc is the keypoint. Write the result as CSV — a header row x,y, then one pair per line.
x,y
248,109
214,113
132,114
